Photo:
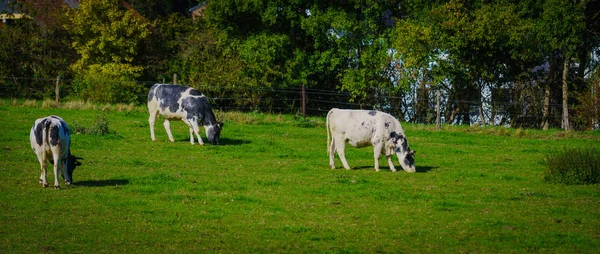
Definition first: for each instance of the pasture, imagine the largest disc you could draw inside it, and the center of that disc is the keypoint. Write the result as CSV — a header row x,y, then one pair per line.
x,y
268,188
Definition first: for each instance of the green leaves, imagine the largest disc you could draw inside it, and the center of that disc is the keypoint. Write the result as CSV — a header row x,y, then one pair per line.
x,y
105,32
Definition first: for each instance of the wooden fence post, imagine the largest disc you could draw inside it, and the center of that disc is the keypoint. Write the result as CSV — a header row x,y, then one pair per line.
x,y
57,91
175,79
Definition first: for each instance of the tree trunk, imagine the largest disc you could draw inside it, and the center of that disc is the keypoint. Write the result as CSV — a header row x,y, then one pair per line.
x,y
546,114
438,118
481,114
565,95
547,92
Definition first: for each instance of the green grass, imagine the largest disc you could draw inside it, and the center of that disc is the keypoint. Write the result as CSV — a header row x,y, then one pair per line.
x,y
268,189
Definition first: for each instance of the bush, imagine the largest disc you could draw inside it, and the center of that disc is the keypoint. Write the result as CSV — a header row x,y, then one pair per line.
x,y
100,127
573,166
110,83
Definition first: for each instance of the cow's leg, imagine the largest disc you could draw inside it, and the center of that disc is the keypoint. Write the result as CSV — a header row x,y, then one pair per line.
x,y
57,162
341,150
389,159
332,154
43,179
167,125
194,127
377,154
152,120
64,171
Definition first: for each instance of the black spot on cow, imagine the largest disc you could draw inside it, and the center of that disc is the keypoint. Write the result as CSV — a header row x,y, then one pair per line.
x,y
373,112
170,95
387,125
193,106
38,132
151,93
54,135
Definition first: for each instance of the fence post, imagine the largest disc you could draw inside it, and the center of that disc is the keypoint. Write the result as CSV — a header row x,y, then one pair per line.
x,y
303,101
175,79
57,91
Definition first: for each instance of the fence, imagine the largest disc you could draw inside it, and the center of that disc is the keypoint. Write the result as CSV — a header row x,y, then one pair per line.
x,y
413,106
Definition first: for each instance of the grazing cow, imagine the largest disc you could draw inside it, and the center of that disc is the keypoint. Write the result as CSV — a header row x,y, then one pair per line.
x,y
51,141
186,104
362,128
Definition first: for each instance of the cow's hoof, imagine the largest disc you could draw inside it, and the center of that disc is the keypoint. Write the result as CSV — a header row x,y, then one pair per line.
x,y
57,187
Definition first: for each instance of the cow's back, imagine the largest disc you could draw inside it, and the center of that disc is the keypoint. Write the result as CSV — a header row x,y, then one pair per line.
x,y
168,99
357,127
50,132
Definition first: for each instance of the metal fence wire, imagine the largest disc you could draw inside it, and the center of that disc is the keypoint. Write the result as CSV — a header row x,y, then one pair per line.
x,y
412,106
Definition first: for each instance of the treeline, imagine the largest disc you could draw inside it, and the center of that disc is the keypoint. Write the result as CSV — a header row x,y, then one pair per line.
x,y
529,63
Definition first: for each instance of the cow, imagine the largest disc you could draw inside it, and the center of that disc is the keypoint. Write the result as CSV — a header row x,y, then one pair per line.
x,y
184,103
51,141
361,128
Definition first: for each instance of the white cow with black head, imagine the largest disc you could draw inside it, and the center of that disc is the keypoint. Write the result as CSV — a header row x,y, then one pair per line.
x,y
362,128
51,141
184,103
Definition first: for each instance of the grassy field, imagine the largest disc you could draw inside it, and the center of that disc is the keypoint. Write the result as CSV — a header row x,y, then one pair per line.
x,y
268,188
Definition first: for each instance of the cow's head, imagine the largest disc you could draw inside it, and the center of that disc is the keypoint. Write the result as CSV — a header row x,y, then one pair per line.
x,y
72,163
213,133
401,149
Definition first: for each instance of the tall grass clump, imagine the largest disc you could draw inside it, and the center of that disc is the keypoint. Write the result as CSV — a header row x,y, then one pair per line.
x,y
573,166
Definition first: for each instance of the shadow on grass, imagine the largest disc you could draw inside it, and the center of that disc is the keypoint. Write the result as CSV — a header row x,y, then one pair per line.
x,y
424,169
102,183
223,141
419,169
233,142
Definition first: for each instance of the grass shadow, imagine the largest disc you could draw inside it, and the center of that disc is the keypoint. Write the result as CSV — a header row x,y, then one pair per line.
x,y
102,183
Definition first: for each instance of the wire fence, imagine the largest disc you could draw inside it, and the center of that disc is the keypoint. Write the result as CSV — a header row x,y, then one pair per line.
x,y
413,106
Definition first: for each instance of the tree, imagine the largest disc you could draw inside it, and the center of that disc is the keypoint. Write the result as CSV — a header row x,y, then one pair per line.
x,y
561,29
326,45
107,36
34,50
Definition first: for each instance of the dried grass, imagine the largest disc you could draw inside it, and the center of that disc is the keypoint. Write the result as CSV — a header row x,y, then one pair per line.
x,y
49,104
31,104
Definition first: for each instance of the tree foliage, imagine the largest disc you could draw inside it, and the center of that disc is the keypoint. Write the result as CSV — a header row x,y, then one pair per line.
x,y
506,56
107,36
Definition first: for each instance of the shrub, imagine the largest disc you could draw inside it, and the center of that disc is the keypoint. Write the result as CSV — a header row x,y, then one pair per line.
x,y
573,166
100,126
110,83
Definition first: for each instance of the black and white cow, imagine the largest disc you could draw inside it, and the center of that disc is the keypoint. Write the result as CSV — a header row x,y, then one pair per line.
x,y
51,141
362,128
183,103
